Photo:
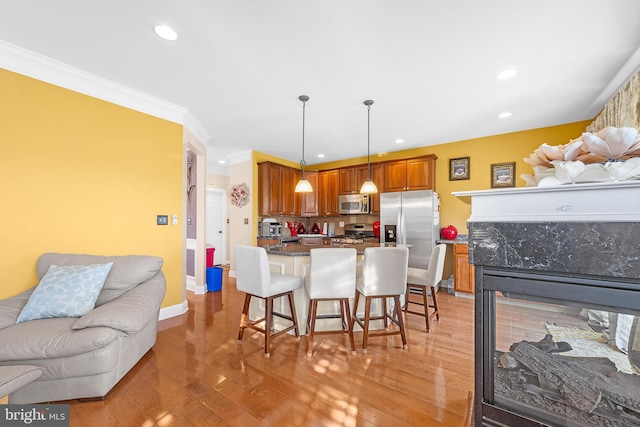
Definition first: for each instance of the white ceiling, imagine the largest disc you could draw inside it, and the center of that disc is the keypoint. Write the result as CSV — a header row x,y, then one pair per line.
x,y
430,66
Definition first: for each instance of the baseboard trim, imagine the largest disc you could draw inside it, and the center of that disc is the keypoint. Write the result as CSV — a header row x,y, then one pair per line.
x,y
173,310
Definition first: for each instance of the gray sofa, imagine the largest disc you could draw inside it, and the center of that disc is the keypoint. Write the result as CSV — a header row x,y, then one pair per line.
x,y
85,357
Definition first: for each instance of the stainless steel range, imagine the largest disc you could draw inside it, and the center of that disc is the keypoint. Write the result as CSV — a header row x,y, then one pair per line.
x,y
359,231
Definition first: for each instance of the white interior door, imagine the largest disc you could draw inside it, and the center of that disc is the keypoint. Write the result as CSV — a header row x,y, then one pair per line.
x,y
216,227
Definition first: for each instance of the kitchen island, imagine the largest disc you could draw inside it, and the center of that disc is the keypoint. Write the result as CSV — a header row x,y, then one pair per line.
x,y
293,258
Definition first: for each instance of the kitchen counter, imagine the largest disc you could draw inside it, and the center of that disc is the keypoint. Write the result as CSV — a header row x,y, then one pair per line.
x,y
462,239
296,249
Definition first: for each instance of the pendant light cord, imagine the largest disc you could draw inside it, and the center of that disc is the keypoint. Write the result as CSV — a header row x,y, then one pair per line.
x,y
304,99
368,103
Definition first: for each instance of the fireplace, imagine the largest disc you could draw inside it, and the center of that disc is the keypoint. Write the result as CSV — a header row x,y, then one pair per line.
x,y
557,309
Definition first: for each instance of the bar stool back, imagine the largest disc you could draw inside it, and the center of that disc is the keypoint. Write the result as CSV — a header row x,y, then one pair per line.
x,y
419,279
332,277
384,275
254,278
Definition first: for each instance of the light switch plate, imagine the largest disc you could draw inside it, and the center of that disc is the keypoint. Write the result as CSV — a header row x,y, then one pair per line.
x,y
162,220
174,219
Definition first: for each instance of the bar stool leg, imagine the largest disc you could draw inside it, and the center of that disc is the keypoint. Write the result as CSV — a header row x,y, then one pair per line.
x,y
435,302
400,320
367,314
349,324
425,303
244,317
268,320
313,308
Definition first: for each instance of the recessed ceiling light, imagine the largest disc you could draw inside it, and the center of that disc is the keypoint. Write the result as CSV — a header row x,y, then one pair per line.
x,y
506,74
321,155
165,32
222,161
399,141
504,115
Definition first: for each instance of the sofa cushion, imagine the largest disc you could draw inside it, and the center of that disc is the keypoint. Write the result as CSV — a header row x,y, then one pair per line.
x,y
51,338
131,311
66,291
127,271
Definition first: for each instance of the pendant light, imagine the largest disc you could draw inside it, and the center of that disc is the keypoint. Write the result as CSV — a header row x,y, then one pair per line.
x,y
303,186
369,187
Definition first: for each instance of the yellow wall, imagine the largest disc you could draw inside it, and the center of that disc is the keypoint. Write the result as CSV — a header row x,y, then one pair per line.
x,y
483,152
81,175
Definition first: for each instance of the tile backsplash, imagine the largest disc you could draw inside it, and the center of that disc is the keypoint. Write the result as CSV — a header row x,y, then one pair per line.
x,y
338,222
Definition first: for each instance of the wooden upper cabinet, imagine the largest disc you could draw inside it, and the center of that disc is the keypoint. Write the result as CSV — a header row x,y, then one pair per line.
x,y
351,179
328,192
309,201
287,187
276,194
410,174
347,180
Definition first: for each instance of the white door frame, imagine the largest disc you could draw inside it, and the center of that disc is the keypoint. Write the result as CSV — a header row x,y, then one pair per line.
x,y
198,283
221,253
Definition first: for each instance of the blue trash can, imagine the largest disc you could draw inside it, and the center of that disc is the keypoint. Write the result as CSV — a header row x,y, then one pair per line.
x,y
214,279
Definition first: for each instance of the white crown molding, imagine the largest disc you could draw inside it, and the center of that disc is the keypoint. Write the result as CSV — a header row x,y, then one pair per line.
x,y
196,128
240,156
40,67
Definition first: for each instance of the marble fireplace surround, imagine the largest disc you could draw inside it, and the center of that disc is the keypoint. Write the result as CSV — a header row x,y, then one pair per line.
x,y
550,242
585,229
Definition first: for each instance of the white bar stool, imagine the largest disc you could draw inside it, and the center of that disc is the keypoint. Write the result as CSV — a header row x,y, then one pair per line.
x,y
332,277
254,277
384,275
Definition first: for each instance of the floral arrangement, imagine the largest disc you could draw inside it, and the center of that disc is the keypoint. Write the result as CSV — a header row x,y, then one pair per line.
x,y
239,195
613,154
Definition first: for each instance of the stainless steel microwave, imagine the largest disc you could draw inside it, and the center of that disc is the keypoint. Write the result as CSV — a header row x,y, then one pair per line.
x,y
353,204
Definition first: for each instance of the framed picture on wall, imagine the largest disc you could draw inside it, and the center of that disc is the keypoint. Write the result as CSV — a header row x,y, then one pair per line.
x,y
459,169
503,175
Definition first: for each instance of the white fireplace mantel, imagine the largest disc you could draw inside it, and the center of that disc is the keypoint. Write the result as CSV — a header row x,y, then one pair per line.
x,y
601,202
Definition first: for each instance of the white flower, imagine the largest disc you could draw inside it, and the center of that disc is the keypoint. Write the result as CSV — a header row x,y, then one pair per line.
x,y
545,154
613,143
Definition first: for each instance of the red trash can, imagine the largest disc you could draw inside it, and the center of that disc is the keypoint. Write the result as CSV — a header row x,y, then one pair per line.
x,y
210,254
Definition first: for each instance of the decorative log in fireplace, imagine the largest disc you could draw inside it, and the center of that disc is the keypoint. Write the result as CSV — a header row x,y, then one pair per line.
x,y
542,258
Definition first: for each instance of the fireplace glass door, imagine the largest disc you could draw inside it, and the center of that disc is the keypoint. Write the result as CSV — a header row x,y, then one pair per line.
x,y
562,351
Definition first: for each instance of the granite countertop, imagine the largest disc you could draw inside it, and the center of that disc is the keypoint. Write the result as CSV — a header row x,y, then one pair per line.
x,y
462,239
297,249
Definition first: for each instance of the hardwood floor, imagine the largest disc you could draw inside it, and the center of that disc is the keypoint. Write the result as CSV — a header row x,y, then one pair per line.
x,y
197,374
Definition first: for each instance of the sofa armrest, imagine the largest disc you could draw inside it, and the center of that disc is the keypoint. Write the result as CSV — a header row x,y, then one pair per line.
x,y
131,311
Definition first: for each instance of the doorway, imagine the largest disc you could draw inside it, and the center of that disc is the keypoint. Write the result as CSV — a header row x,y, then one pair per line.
x,y
216,228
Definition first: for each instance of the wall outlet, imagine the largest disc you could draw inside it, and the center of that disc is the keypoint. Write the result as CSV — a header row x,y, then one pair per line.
x,y
341,224
162,219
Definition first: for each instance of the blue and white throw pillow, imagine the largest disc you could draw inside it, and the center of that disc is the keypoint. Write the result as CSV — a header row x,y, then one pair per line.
x,y
66,291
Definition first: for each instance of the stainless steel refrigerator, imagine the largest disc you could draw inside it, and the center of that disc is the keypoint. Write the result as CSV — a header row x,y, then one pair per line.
x,y
411,218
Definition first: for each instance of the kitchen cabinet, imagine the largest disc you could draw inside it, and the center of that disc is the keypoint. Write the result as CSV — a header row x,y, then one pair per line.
x,y
463,276
328,192
308,202
351,179
276,194
377,176
264,241
410,174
